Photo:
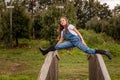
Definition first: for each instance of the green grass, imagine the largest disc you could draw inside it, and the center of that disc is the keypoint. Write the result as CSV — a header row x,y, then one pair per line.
x,y
25,63
73,65
21,63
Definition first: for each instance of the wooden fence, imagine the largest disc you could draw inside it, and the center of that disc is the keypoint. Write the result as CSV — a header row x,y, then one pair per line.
x,y
97,68
49,70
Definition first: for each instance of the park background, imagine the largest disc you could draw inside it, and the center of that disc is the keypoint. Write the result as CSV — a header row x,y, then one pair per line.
x,y
29,24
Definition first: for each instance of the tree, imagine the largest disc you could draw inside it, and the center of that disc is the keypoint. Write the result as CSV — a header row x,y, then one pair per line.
x,y
94,24
5,29
1,14
33,7
20,26
116,10
49,24
1,32
21,21
88,9
113,28
46,21
38,25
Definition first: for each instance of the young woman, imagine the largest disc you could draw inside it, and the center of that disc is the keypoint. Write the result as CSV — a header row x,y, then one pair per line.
x,y
74,39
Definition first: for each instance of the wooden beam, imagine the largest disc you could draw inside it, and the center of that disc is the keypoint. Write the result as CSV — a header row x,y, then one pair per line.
x,y
97,68
49,70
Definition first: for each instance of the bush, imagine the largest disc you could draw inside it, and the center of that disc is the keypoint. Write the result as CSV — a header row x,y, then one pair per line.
x,y
93,39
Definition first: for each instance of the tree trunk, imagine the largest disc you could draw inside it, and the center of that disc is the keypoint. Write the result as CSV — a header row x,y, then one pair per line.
x,y
16,38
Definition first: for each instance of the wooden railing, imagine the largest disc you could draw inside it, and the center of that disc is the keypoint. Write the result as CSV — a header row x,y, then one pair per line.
x,y
49,70
97,68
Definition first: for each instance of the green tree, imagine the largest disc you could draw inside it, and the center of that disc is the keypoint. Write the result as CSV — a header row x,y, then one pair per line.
x,y
38,25
1,32
21,21
5,27
88,9
50,24
1,14
70,12
113,28
94,24
33,7
46,21
116,10
20,24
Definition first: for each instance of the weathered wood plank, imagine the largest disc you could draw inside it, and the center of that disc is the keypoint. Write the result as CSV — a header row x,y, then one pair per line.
x,y
97,68
49,70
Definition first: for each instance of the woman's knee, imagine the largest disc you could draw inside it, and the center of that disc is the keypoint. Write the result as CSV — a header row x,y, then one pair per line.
x,y
58,47
64,45
90,51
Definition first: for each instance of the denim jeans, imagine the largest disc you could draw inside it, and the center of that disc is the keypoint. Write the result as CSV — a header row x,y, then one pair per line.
x,y
73,41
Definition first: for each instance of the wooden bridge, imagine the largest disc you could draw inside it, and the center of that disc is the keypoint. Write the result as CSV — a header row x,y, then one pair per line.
x,y
97,67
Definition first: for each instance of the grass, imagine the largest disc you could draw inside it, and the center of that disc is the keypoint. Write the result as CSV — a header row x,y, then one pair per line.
x,y
20,63
25,63
73,66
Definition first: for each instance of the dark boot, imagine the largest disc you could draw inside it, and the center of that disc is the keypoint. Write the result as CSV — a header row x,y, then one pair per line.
x,y
104,52
44,52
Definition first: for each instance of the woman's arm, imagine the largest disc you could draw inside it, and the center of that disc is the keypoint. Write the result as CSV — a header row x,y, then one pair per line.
x,y
60,40
79,35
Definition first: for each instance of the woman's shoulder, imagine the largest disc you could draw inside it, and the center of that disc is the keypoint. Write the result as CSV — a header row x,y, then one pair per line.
x,y
71,26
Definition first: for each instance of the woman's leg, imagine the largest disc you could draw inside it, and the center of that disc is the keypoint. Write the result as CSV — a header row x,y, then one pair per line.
x,y
93,51
85,48
50,48
104,52
64,45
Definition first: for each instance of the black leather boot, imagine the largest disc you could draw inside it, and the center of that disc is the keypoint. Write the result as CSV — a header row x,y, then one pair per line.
x,y
104,52
44,52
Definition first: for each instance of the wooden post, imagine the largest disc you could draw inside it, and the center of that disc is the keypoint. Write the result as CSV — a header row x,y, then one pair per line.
x,y
49,70
97,68
11,38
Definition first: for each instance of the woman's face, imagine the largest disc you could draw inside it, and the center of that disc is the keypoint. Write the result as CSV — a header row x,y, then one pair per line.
x,y
63,22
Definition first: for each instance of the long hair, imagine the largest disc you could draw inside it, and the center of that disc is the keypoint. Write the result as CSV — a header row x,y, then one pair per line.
x,y
67,23
60,28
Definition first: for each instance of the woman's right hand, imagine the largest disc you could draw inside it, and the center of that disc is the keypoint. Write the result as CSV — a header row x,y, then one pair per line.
x,y
60,40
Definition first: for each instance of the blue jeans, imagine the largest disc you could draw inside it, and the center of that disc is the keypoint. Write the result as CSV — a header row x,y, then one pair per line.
x,y
73,41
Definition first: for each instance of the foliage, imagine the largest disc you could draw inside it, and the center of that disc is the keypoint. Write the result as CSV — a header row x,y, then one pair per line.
x,y
113,29
21,22
20,25
110,26
93,39
0,27
46,22
1,14
116,10
94,24
88,14
5,37
70,12
34,6
88,9
38,24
